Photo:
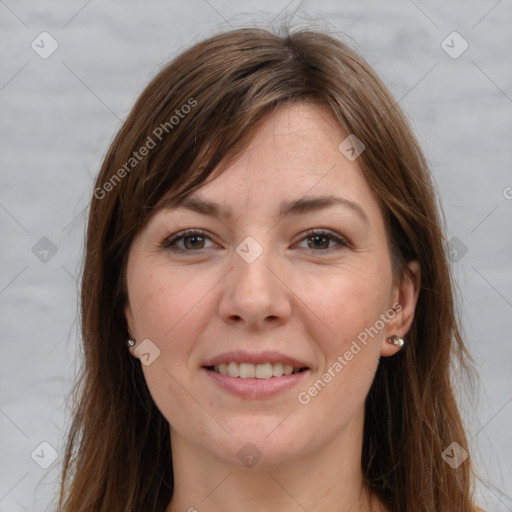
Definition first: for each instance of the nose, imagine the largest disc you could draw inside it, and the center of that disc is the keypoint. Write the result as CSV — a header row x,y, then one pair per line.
x,y
255,292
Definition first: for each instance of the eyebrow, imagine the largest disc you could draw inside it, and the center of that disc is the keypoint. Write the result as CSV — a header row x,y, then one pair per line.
x,y
299,206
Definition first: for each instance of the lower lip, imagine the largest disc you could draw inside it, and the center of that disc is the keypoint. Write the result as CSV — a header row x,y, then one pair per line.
x,y
256,388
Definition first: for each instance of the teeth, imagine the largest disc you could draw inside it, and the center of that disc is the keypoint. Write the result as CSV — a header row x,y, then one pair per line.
x,y
263,371
277,369
233,370
251,371
247,370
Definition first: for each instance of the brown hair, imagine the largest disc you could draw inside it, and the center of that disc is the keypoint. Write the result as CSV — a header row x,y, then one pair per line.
x,y
192,117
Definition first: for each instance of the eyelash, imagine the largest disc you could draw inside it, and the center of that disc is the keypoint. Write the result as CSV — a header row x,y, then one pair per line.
x,y
168,243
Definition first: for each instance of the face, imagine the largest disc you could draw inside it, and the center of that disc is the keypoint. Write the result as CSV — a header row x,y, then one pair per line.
x,y
266,290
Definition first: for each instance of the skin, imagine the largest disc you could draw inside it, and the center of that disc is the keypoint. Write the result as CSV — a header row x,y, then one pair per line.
x,y
304,299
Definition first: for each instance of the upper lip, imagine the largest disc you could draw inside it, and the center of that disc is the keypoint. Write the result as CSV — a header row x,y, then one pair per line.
x,y
266,356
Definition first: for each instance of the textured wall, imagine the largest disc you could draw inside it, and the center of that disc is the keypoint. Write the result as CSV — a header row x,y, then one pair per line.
x,y
60,110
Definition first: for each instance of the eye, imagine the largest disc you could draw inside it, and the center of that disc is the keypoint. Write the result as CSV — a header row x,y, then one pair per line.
x,y
192,238
321,240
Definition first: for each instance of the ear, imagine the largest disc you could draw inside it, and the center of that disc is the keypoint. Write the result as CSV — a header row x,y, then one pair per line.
x,y
405,297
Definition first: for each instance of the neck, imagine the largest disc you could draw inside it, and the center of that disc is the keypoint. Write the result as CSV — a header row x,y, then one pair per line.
x,y
325,479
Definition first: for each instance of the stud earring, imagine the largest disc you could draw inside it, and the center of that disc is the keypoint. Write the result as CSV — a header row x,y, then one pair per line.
x,y
131,342
395,340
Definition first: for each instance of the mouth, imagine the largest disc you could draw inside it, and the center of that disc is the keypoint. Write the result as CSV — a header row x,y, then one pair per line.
x,y
255,371
250,375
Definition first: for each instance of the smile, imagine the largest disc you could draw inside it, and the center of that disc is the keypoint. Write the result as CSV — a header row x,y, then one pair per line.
x,y
258,371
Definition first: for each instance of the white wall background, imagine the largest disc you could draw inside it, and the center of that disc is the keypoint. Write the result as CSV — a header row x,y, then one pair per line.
x,y
59,114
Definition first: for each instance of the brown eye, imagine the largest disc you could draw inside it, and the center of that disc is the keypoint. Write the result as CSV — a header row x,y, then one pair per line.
x,y
318,241
186,241
194,240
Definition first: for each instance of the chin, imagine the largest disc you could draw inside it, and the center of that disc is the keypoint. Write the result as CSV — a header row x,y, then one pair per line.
x,y
260,442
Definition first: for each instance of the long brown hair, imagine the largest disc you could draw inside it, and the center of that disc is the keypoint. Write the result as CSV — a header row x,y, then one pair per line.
x,y
191,118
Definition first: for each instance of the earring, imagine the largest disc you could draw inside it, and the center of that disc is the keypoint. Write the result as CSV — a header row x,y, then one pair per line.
x,y
131,342
395,340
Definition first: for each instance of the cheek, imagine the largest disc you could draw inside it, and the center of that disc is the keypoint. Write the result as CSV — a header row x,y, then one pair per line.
x,y
350,353
351,305
163,302
349,302
166,310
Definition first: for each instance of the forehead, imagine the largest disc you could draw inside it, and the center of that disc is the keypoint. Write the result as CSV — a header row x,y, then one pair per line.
x,y
293,156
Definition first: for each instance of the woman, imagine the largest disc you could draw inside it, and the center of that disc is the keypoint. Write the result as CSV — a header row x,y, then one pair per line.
x,y
267,309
